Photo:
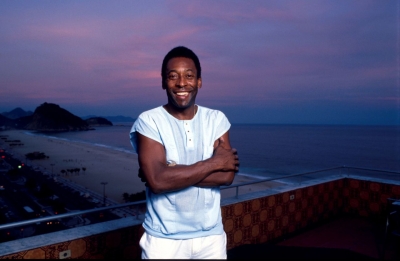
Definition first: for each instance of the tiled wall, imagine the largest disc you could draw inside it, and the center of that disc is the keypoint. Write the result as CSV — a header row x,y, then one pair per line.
x,y
116,244
367,198
265,219
253,221
270,218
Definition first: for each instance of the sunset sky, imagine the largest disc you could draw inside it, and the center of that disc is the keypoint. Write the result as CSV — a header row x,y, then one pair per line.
x,y
290,62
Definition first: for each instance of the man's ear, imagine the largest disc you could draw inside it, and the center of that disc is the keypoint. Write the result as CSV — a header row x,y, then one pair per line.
x,y
163,85
199,83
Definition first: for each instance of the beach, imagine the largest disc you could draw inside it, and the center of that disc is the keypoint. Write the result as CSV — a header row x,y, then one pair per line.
x,y
118,168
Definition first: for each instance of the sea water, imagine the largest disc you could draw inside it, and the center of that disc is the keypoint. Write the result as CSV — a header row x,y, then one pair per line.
x,y
275,150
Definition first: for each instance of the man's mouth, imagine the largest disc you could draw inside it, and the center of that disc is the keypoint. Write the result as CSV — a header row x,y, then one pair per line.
x,y
182,94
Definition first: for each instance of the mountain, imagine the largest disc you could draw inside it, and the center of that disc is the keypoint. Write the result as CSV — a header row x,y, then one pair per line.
x,y
51,117
118,118
98,121
6,123
17,113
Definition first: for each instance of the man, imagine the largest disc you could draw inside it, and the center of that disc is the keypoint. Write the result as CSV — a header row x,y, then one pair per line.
x,y
184,156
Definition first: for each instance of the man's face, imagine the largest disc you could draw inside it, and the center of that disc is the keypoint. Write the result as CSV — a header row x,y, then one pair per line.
x,y
181,83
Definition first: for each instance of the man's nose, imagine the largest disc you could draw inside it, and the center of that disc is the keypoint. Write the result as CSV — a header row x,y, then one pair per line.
x,y
182,81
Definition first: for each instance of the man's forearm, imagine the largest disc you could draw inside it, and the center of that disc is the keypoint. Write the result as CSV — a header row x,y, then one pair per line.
x,y
176,177
217,179
162,178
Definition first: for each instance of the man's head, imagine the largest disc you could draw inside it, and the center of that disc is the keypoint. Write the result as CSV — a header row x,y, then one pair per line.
x,y
181,79
179,51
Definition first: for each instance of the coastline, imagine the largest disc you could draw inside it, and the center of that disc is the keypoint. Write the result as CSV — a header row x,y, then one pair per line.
x,y
116,167
119,169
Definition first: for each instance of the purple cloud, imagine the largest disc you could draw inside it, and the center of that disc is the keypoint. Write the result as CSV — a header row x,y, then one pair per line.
x,y
89,56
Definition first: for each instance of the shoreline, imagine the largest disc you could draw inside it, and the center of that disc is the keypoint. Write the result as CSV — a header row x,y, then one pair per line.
x,y
119,169
103,164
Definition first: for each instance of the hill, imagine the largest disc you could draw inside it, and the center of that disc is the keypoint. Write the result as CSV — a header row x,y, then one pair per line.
x,y
50,117
118,118
16,113
6,123
98,121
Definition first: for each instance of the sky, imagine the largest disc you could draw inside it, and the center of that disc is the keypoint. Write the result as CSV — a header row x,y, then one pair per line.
x,y
263,62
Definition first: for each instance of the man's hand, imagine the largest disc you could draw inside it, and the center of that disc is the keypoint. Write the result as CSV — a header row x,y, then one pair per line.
x,y
226,160
226,156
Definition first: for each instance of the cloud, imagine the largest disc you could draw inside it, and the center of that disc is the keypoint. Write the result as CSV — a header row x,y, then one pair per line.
x,y
253,53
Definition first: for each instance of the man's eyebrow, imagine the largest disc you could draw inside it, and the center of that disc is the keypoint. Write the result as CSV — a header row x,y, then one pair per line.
x,y
186,70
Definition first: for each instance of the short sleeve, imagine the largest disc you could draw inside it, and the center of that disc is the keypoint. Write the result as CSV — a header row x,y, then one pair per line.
x,y
146,126
223,124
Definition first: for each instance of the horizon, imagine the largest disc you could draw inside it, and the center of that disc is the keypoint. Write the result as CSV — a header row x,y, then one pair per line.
x,y
233,123
276,62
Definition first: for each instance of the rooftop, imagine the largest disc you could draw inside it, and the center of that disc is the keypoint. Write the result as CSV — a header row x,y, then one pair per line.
x,y
342,238
329,217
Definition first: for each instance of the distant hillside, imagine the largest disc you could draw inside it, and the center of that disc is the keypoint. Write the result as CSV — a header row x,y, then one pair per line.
x,y
98,121
51,117
118,118
17,113
6,123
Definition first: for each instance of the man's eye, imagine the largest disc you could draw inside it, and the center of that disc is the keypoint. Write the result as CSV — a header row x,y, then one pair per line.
x,y
190,76
172,76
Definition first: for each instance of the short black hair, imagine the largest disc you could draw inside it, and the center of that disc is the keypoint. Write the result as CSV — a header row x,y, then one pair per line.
x,y
180,51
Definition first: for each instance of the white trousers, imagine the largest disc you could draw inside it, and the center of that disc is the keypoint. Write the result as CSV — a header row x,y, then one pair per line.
x,y
210,247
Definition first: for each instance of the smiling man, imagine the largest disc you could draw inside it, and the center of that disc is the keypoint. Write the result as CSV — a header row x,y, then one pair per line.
x,y
184,156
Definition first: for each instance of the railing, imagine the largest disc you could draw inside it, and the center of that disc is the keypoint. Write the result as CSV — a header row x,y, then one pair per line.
x,y
374,170
71,214
236,186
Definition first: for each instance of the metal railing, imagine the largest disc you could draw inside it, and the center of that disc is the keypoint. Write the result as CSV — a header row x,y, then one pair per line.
x,y
71,214
235,186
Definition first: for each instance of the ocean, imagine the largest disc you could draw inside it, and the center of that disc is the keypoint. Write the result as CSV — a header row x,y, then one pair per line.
x,y
276,150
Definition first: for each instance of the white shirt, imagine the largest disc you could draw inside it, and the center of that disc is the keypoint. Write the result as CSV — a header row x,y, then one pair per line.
x,y
193,211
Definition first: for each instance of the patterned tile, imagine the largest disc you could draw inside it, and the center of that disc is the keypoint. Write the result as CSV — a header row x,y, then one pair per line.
x,y
249,222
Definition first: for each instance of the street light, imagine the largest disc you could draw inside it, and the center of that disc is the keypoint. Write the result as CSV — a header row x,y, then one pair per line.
x,y
104,191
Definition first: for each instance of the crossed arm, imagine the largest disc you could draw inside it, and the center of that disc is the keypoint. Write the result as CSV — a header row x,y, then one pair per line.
x,y
216,171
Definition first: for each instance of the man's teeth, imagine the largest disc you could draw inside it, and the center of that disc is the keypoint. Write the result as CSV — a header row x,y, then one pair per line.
x,y
182,93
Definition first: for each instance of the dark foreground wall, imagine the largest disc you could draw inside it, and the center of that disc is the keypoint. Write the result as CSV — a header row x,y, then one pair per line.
x,y
264,219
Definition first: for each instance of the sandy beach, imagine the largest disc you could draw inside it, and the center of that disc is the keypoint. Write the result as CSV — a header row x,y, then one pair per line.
x,y
119,169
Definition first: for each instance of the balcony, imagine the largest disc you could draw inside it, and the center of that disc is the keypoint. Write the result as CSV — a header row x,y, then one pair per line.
x,y
333,213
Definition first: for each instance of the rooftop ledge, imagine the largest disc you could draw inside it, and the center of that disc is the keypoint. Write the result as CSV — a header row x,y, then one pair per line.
x,y
33,242
71,234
